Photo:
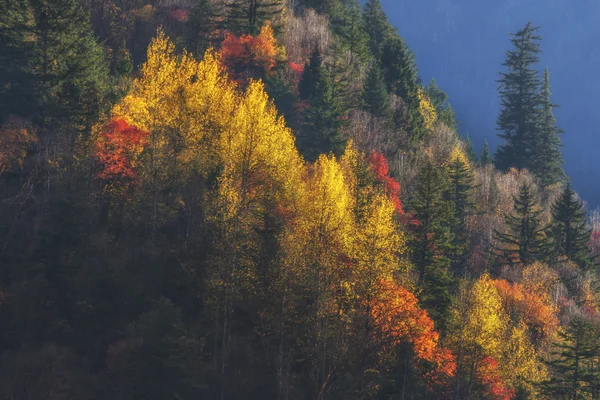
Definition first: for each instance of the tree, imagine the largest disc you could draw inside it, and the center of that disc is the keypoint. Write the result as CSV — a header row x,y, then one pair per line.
x,y
62,76
485,158
347,25
569,229
248,16
431,241
376,99
470,150
459,193
547,159
400,72
204,26
311,75
439,99
525,239
519,93
377,26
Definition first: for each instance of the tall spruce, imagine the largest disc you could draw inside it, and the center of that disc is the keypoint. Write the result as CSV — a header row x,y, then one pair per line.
x,y
485,158
376,98
439,99
431,241
400,71
519,93
346,24
377,27
248,16
470,149
63,75
547,158
460,193
525,239
311,75
204,22
570,231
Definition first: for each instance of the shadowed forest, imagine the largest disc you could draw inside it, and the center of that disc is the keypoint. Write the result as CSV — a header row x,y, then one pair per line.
x,y
261,199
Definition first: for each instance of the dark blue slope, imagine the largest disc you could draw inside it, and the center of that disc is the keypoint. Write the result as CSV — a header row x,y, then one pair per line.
x,y
462,43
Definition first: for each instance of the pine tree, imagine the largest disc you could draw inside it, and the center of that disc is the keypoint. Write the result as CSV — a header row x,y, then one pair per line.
x,y
203,25
485,158
346,24
569,229
376,99
519,92
322,131
525,241
574,362
459,193
439,99
547,159
248,16
63,76
377,27
311,75
470,149
400,71
432,240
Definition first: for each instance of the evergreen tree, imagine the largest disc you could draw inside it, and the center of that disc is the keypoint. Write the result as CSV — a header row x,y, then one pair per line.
x,y
311,75
569,229
519,92
377,27
376,99
547,159
439,99
470,149
485,158
432,241
322,131
525,241
202,25
62,75
248,16
459,193
574,368
400,71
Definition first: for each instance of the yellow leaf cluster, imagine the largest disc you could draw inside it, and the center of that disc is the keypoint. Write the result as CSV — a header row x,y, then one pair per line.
x,y
427,111
459,154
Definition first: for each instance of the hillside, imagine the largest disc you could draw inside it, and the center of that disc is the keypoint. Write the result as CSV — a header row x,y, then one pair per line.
x,y
261,199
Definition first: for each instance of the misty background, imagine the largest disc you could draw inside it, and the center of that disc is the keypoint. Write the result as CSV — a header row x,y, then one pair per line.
x,y
462,44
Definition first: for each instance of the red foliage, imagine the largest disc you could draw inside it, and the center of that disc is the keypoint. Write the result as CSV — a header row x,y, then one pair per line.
x,y
381,169
298,69
115,149
179,14
490,377
399,319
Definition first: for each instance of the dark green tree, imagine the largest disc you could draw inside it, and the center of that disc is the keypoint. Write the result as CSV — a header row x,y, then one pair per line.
x,y
431,241
460,194
470,149
400,72
377,27
53,70
322,130
519,94
525,239
204,20
376,98
248,16
546,158
311,75
485,158
569,229
575,373
439,99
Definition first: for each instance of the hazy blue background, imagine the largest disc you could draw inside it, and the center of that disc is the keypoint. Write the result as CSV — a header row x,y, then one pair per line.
x,y
462,43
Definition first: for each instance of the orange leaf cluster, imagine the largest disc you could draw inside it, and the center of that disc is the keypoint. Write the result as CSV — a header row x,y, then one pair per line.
x,y
242,54
116,147
492,381
399,318
524,305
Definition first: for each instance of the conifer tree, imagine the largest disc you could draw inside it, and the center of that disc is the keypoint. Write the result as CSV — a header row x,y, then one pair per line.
x,y
322,131
459,193
546,158
569,229
470,149
203,24
525,241
311,75
376,99
432,240
64,75
377,26
485,158
248,16
439,99
519,93
400,71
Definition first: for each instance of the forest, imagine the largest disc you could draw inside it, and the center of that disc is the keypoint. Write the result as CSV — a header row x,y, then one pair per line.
x,y
261,199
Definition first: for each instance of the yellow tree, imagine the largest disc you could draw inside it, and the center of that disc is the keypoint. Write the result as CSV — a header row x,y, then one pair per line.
x,y
427,110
